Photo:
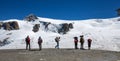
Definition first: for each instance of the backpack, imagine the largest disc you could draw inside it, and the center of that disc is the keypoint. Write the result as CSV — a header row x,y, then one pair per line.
x,y
26,39
56,39
39,41
89,40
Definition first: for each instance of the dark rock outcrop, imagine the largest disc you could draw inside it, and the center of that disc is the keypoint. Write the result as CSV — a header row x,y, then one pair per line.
x,y
62,28
4,42
6,26
36,27
10,25
14,25
118,11
47,24
31,17
70,25
119,19
1,24
65,28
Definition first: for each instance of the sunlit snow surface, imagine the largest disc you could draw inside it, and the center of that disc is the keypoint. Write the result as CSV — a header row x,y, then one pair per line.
x,y
105,34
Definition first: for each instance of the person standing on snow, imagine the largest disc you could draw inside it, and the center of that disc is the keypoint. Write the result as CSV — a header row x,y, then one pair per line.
x,y
76,42
40,43
57,39
89,43
27,39
82,42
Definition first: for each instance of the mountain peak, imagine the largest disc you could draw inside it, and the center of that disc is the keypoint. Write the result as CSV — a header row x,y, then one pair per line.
x,y
31,17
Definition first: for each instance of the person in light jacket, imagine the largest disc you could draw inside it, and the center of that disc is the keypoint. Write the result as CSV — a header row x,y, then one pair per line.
x,y
82,42
57,40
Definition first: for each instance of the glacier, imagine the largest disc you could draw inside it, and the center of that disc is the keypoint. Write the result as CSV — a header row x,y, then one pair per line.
x,y
105,33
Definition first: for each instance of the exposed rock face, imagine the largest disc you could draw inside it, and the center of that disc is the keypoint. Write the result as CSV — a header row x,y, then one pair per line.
x,y
118,19
1,24
10,25
36,27
47,24
31,17
6,26
61,28
65,28
118,11
4,42
71,25
14,25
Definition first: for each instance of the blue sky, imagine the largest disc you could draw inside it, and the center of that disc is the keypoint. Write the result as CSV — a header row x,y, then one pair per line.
x,y
59,9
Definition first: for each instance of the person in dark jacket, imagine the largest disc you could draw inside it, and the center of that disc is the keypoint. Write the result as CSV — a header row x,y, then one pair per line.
x,y
82,42
76,42
40,43
89,43
57,39
27,42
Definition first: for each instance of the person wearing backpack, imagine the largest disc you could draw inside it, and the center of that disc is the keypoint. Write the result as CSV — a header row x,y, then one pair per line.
x,y
76,42
57,39
82,42
89,43
27,39
40,43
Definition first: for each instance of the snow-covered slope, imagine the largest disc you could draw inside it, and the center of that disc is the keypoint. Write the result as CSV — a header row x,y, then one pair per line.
x,y
105,34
